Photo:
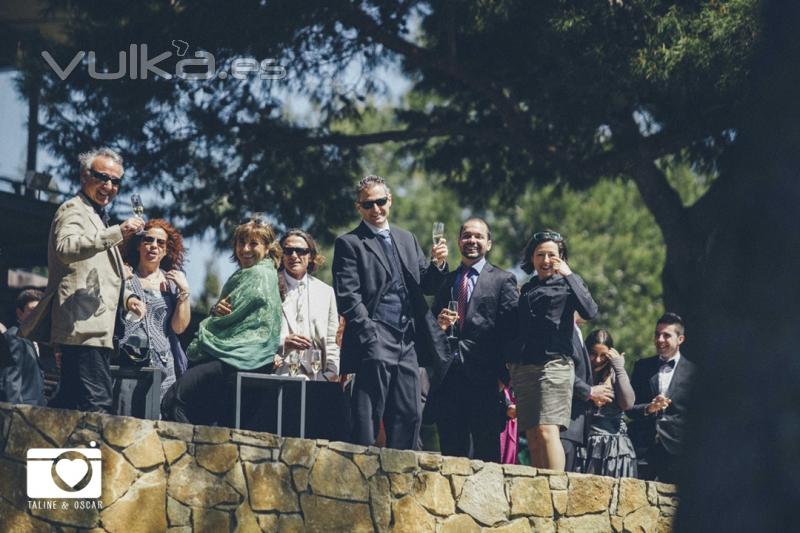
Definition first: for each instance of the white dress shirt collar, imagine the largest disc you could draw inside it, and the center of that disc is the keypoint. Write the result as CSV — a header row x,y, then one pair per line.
x,y
376,229
292,283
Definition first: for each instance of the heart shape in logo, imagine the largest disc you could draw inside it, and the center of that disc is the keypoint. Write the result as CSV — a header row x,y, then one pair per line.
x,y
72,471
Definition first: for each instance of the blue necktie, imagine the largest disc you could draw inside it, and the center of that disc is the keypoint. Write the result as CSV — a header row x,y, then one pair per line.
x,y
388,251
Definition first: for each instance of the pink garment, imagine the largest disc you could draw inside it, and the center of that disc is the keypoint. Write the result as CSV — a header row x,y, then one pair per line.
x,y
509,436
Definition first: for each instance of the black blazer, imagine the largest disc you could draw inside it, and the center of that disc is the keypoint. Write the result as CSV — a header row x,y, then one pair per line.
x,y
669,426
489,323
360,277
23,380
581,388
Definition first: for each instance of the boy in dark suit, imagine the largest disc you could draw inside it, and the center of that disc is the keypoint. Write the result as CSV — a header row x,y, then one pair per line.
x,y
662,386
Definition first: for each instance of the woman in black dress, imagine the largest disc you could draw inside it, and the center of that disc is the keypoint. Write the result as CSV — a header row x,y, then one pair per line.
x,y
609,451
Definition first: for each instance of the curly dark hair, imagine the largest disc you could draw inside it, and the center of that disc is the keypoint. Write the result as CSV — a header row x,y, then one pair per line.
x,y
176,253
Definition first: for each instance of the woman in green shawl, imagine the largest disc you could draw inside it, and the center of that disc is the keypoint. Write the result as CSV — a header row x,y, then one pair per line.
x,y
242,333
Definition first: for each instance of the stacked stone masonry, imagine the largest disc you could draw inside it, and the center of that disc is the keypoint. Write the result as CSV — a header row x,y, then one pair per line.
x,y
159,476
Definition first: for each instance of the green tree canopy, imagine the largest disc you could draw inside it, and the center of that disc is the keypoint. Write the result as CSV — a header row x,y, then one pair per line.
x,y
506,93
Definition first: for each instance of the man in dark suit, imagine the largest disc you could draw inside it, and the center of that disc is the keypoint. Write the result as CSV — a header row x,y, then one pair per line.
x,y
584,396
662,385
379,276
22,381
469,406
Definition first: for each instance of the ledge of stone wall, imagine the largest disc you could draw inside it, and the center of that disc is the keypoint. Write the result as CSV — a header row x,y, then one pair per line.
x,y
162,476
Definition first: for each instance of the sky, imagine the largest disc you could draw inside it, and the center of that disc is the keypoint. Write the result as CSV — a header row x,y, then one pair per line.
x,y
13,143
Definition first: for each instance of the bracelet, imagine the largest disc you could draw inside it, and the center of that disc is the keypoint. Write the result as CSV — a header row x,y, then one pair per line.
x,y
183,296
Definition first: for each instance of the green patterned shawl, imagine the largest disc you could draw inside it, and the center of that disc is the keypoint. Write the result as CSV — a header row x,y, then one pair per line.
x,y
248,337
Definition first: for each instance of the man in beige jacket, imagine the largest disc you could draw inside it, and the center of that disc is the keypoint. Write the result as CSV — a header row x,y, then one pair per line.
x,y
85,285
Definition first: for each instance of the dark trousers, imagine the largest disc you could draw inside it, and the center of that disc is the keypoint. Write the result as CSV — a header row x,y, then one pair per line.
x,y
663,465
85,379
469,417
570,455
387,387
204,394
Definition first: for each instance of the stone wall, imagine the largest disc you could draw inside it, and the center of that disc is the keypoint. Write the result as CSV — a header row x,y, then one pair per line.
x,y
161,476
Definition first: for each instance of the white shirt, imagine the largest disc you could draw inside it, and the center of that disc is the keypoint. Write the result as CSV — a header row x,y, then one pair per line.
x,y
665,373
296,304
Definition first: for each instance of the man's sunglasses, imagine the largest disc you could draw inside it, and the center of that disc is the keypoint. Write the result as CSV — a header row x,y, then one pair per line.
x,y
148,239
101,176
368,204
289,250
547,236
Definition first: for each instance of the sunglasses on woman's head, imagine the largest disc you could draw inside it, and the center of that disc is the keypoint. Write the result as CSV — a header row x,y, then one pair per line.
x,y
548,236
148,239
368,204
256,219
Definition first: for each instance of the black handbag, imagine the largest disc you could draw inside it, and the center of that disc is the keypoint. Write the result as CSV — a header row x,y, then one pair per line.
x,y
133,348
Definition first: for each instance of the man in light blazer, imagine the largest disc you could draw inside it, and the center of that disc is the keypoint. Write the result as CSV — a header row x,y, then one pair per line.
x,y
662,387
469,407
86,285
379,276
309,317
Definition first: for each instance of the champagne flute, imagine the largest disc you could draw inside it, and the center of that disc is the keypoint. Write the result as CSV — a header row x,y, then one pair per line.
x,y
294,362
452,305
315,355
598,408
138,209
662,390
437,232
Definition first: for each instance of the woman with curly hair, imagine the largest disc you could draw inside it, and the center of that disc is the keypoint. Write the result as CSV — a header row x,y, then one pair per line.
x,y
156,258
242,333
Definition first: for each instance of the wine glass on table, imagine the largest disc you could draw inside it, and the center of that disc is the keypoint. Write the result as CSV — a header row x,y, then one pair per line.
x,y
294,362
315,357
437,232
138,209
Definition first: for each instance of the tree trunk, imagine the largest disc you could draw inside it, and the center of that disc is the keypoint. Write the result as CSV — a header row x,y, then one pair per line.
x,y
742,472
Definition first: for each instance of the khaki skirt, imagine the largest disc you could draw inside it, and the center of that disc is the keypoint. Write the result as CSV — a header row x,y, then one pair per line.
x,y
544,393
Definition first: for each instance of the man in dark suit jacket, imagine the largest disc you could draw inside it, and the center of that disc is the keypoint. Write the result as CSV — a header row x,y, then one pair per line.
x,y
584,394
22,381
469,407
379,276
662,386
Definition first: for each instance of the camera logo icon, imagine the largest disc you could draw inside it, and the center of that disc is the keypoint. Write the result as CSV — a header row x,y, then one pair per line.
x,y
64,472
